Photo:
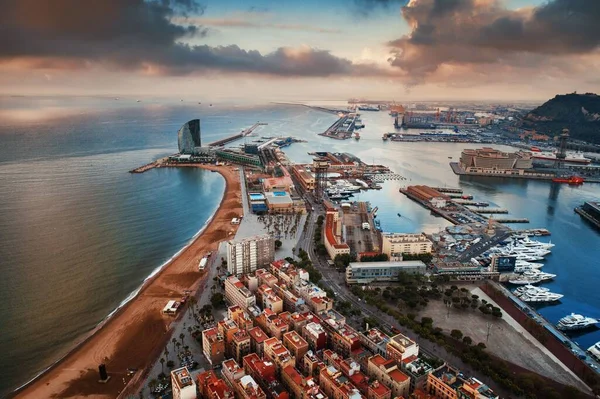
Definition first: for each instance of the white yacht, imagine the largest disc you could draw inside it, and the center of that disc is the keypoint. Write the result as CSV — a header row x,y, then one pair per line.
x,y
538,274
530,293
530,265
575,322
524,280
594,350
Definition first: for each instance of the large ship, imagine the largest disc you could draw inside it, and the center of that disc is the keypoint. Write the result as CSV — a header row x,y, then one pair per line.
x,y
575,322
572,157
590,211
366,107
573,180
594,350
530,293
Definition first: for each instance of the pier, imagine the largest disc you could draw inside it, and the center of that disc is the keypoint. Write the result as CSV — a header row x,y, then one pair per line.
x,y
471,203
448,190
534,232
513,220
492,210
386,176
144,168
341,129
459,196
243,133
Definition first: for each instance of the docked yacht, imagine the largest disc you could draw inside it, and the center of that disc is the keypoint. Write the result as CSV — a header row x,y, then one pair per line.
x,y
524,280
530,293
528,265
594,350
538,274
575,322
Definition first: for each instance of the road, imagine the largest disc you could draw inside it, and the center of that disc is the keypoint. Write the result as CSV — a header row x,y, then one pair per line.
x,y
335,281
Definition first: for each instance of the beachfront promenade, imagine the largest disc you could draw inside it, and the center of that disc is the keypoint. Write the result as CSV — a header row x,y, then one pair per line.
x,y
138,333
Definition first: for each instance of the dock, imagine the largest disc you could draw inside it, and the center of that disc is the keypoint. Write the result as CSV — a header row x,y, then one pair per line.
x,y
459,196
534,232
448,190
243,133
471,203
341,129
490,211
144,168
512,220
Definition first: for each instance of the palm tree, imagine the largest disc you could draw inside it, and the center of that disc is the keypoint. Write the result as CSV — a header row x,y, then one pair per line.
x,y
166,353
181,337
162,364
152,384
190,330
174,343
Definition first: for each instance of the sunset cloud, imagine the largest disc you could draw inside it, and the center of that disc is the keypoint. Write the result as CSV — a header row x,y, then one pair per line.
x,y
141,35
481,33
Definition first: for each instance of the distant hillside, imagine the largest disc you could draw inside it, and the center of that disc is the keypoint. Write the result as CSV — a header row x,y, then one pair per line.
x,y
580,113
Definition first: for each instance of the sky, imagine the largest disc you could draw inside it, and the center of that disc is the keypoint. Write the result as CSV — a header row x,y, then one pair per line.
x,y
301,50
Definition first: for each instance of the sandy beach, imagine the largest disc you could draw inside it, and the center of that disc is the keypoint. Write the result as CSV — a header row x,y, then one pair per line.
x,y
138,332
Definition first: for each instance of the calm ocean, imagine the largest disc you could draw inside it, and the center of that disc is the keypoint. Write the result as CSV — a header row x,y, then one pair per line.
x,y
80,234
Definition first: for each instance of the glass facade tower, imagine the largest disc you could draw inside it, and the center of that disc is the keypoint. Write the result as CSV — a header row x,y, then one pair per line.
x,y
188,137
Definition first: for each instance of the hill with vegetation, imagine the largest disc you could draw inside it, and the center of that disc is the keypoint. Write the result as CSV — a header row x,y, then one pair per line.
x,y
580,113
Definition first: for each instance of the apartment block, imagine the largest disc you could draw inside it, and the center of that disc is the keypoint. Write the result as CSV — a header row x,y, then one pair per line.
x,y
183,384
241,318
227,328
337,386
395,244
246,255
240,345
345,341
401,347
213,387
236,293
300,387
375,340
213,346
386,372
378,391
315,335
264,373
275,351
257,340
296,345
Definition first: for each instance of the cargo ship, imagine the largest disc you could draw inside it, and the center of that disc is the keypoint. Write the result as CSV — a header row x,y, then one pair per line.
x,y
366,107
572,157
573,180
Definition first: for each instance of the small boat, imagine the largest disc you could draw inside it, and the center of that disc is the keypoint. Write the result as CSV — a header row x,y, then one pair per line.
x,y
138,101
399,215
449,157
572,180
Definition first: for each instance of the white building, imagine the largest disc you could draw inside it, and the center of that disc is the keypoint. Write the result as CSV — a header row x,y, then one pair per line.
x,y
368,272
183,384
246,255
236,293
395,244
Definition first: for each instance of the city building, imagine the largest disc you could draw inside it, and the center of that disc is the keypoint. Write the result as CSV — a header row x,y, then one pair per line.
x,y
213,346
333,234
257,340
345,340
315,335
278,353
236,293
241,318
444,383
336,385
188,137
489,160
368,272
401,347
212,387
183,384
279,202
283,183
418,370
227,328
300,387
396,244
375,340
297,345
266,278
264,373
311,364
378,391
304,177
386,371
269,299
246,255
475,389
239,157
240,345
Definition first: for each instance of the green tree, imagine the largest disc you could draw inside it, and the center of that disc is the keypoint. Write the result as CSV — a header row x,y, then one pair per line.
x,y
467,340
162,364
181,337
278,244
456,334
217,299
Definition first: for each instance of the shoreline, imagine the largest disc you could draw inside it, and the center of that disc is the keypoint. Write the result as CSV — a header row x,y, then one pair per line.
x,y
141,323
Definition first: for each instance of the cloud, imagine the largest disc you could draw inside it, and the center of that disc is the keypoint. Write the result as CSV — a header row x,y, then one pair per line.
x,y
245,22
143,35
446,33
